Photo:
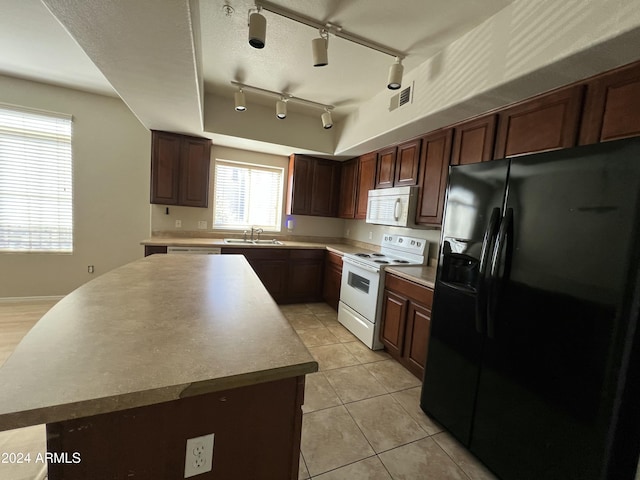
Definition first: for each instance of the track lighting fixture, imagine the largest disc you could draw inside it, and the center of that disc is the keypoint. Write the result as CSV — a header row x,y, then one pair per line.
x,y
327,122
320,47
281,103
281,108
241,104
257,29
395,75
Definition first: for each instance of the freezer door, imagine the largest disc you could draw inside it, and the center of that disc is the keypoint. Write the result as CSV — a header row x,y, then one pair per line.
x,y
475,198
551,366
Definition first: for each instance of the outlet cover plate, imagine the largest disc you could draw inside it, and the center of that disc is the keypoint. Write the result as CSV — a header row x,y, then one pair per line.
x,y
199,455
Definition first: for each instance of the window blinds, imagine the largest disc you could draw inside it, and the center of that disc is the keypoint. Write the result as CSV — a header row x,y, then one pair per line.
x,y
36,211
247,195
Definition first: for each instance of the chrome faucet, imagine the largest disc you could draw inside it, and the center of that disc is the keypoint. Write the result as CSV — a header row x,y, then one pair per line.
x,y
244,235
256,230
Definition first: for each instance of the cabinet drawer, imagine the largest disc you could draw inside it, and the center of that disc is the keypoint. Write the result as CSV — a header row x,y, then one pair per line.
x,y
420,294
307,254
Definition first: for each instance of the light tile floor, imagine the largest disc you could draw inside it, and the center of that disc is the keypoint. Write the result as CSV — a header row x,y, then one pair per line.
x,y
362,418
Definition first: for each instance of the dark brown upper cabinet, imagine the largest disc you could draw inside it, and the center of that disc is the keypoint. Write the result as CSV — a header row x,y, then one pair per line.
x,y
434,169
386,167
348,188
366,181
407,164
474,141
313,187
179,169
612,106
545,122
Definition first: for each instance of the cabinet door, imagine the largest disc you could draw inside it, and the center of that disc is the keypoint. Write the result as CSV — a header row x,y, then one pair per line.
x,y
165,168
273,275
331,287
546,122
386,168
417,338
348,188
366,182
299,185
305,276
612,106
434,168
194,172
325,188
394,313
407,163
473,141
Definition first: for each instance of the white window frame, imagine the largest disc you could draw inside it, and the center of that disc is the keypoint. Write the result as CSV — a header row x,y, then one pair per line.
x,y
36,181
239,226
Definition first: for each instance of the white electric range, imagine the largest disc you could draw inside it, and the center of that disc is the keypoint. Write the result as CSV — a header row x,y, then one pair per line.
x,y
362,284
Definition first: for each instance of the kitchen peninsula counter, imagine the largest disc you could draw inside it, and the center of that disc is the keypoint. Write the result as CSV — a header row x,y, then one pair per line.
x,y
159,340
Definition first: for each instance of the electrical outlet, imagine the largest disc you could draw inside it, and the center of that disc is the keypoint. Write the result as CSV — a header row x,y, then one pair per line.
x,y
198,456
90,269
370,235
348,232
178,223
202,224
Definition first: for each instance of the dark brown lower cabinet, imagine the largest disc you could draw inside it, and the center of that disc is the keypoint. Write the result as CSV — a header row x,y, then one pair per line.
x,y
306,270
257,435
151,249
406,321
332,279
289,275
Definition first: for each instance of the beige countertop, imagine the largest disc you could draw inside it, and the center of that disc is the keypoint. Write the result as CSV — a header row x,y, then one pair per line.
x,y
421,274
340,248
158,329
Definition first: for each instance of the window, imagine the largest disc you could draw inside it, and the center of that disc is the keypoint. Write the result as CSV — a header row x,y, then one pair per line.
x,y
247,195
35,181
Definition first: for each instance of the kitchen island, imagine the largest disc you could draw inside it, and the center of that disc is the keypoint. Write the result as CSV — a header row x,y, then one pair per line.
x,y
129,366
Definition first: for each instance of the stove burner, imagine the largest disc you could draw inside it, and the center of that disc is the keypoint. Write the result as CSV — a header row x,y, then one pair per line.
x,y
362,255
400,261
381,261
377,255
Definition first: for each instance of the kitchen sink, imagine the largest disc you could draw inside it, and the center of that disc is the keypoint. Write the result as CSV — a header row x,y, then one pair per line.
x,y
241,241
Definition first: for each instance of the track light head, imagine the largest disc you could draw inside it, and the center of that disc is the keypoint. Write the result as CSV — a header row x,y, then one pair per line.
x,y
395,75
241,104
257,30
327,122
281,109
320,49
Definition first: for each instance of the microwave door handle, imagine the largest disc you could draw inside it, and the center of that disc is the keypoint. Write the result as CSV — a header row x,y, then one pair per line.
x,y
397,209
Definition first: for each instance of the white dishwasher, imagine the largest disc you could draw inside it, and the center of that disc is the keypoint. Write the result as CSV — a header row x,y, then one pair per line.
x,y
194,250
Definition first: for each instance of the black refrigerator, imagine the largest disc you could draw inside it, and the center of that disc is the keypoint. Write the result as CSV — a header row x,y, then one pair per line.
x,y
534,355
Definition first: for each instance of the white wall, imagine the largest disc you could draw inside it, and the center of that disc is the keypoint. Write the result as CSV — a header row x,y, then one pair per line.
x,y
111,165
525,49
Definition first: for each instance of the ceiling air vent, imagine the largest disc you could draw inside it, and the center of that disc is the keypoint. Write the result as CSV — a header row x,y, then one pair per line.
x,y
399,99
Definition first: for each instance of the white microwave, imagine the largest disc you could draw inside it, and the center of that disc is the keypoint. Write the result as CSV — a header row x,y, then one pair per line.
x,y
393,206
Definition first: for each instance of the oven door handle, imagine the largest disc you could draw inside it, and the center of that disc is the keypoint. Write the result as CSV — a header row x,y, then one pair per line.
x,y
360,265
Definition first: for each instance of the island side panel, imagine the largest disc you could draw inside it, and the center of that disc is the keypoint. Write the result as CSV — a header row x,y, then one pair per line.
x,y
257,435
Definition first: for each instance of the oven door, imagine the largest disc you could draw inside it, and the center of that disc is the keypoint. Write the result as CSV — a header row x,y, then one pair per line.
x,y
359,288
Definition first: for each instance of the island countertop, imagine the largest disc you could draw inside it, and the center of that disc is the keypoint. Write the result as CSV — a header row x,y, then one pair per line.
x,y
158,329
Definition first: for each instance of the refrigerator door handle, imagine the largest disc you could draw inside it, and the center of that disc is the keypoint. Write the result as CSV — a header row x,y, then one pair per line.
x,y
495,281
487,242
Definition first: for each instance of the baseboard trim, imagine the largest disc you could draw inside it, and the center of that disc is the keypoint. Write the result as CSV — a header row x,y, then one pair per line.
x,y
30,299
